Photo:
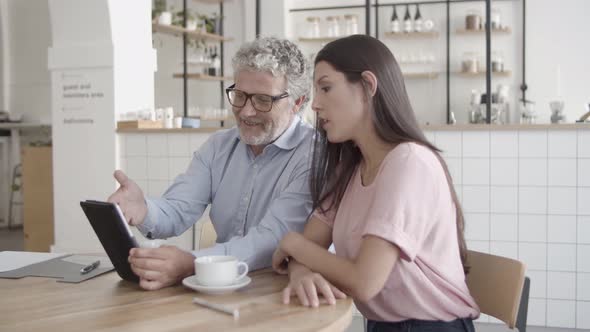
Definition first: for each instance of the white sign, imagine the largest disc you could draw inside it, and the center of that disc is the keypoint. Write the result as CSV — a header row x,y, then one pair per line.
x,y
82,94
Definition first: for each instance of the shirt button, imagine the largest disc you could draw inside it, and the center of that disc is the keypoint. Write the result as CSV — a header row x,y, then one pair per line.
x,y
245,198
255,166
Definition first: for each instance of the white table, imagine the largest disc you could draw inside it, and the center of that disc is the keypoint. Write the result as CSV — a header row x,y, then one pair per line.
x,y
15,128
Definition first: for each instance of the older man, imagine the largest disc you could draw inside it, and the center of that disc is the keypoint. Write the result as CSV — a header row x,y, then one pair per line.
x,y
255,176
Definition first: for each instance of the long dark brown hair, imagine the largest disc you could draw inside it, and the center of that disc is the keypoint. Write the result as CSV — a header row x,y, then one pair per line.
x,y
333,164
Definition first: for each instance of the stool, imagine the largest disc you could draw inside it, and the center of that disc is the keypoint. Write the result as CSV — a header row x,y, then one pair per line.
x,y
4,177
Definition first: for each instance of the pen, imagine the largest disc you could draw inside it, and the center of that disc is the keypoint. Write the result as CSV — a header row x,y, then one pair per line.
x,y
89,267
219,307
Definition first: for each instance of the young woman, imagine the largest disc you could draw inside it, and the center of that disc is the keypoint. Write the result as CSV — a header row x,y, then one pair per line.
x,y
383,195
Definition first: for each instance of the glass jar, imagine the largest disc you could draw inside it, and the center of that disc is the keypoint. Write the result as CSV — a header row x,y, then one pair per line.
x,y
351,25
495,19
497,62
469,63
473,20
333,23
313,27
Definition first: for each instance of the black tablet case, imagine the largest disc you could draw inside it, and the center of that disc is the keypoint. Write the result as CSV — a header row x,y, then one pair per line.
x,y
113,235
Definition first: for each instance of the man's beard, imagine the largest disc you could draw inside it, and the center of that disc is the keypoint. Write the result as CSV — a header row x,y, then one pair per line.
x,y
264,138
270,132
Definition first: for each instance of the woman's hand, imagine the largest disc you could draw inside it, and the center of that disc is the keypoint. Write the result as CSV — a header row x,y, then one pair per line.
x,y
307,284
280,260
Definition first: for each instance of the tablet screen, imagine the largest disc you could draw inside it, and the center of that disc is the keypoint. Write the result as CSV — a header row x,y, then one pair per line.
x,y
114,234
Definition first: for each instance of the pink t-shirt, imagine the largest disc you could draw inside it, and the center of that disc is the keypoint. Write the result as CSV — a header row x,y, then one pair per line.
x,y
408,204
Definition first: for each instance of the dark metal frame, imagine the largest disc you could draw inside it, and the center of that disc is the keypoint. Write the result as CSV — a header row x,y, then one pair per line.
x,y
523,86
184,64
257,18
448,3
185,67
221,55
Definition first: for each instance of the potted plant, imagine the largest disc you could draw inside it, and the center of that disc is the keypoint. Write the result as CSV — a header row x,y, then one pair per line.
x,y
158,8
212,23
191,22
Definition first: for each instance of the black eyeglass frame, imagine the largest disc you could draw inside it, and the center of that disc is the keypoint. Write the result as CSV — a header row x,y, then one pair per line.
x,y
250,95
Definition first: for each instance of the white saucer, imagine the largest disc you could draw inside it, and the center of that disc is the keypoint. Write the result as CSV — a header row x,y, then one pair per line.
x,y
191,282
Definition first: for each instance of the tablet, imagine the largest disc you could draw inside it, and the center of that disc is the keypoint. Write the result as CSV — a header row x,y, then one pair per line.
x,y
114,234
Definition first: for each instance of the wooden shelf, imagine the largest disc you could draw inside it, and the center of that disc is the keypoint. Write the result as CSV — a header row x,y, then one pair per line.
x,y
318,39
203,77
421,75
178,31
503,31
411,35
505,73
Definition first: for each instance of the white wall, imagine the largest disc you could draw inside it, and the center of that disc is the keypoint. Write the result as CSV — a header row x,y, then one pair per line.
x,y
525,195
28,78
153,161
557,35
3,55
102,65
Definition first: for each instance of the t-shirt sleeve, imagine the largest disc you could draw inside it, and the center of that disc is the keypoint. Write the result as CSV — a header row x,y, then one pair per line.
x,y
405,200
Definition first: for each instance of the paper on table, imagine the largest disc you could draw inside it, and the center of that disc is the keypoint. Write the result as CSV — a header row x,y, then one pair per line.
x,y
12,260
85,260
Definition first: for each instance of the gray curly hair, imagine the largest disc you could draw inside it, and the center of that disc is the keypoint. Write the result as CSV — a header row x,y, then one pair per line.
x,y
279,57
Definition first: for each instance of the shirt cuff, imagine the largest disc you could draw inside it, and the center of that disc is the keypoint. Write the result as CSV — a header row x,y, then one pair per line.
x,y
216,250
148,226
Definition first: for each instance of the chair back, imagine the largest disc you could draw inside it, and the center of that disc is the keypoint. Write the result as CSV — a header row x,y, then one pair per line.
x,y
496,283
208,235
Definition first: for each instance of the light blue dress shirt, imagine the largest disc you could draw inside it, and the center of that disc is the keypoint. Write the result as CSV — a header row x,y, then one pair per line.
x,y
255,200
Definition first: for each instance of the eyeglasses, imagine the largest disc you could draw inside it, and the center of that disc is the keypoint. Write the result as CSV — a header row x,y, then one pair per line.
x,y
260,102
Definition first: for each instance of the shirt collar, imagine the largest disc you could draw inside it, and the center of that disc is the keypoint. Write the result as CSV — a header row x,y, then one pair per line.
x,y
290,138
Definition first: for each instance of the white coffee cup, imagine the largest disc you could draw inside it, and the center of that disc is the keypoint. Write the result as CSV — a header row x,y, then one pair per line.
x,y
178,122
218,270
156,243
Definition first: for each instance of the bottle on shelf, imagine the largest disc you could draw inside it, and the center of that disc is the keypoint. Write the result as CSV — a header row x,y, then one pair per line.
x,y
497,62
351,25
333,26
206,60
495,20
470,63
418,20
394,24
407,20
313,27
473,20
215,63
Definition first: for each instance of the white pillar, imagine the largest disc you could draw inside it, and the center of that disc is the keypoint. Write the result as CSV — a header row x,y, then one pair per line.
x,y
102,64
